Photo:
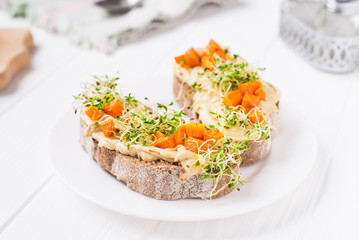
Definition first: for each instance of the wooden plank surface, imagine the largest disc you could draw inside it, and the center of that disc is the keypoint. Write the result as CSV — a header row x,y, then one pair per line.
x,y
48,56
30,195
30,121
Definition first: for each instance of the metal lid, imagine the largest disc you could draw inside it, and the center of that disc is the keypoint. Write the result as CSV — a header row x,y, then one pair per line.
x,y
344,7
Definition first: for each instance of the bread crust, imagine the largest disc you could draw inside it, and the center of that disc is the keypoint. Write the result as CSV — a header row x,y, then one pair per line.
x,y
256,150
158,179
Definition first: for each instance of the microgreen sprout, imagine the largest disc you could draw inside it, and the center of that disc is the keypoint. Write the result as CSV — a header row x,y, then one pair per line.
x,y
227,76
220,161
97,93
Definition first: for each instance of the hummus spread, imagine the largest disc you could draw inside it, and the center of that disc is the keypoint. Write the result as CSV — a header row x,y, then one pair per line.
x,y
146,153
209,100
205,101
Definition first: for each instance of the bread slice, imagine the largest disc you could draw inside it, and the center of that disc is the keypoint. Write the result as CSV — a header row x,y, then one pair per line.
x,y
256,150
158,179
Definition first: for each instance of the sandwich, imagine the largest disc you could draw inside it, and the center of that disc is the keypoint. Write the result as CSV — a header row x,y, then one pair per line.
x,y
212,81
194,152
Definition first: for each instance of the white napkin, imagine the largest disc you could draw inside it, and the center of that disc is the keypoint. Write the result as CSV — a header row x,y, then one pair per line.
x,y
91,26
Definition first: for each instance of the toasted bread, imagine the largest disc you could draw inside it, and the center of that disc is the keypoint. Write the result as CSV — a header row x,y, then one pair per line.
x,y
158,179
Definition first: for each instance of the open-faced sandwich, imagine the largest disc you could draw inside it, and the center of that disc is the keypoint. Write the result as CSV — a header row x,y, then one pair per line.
x,y
160,152
216,84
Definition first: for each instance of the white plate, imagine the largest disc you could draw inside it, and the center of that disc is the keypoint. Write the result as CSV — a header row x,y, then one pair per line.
x,y
292,156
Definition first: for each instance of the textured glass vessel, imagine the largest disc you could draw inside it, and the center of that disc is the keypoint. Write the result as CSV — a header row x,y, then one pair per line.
x,y
325,33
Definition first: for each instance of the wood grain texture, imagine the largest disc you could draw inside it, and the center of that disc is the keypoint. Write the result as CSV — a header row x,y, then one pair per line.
x,y
315,210
15,46
58,70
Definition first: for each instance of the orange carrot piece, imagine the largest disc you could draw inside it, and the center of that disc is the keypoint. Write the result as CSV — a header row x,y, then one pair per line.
x,y
250,101
93,113
193,59
256,115
108,128
159,135
165,142
213,135
180,58
260,92
182,61
195,145
233,98
214,47
227,101
113,108
179,136
249,87
194,130
207,62
221,54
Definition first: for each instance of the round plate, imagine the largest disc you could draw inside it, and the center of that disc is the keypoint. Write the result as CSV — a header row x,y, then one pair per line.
x,y
292,156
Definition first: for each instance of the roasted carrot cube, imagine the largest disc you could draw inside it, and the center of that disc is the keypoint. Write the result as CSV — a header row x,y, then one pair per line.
x,y
180,58
194,130
108,128
221,54
256,115
179,136
93,113
207,62
182,61
212,135
260,92
192,58
214,47
195,145
249,87
189,59
159,135
164,142
227,101
233,98
113,108
250,101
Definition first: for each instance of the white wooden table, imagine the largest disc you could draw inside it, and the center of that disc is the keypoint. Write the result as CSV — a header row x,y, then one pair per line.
x,y
35,204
